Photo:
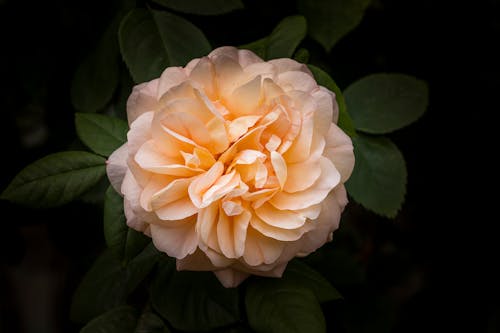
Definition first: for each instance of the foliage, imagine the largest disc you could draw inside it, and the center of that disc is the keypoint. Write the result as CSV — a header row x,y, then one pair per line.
x,y
137,45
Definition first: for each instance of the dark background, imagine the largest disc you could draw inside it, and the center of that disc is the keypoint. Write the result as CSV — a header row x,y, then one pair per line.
x,y
430,269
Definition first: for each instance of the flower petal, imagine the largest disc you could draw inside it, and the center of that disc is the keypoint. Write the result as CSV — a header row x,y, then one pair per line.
x,y
116,167
339,150
329,178
280,167
142,99
176,239
283,219
172,76
203,182
278,233
260,249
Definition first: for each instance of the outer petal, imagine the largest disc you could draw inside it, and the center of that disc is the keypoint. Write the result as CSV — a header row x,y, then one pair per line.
x,y
116,167
177,239
142,99
170,77
340,151
286,65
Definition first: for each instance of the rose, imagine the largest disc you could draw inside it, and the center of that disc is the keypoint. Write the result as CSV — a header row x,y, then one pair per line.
x,y
233,164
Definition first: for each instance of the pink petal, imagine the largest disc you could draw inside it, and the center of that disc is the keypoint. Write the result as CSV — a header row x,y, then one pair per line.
x,y
260,249
172,76
142,99
116,167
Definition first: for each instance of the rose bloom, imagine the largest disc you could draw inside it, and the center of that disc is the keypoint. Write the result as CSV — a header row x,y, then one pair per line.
x,y
233,164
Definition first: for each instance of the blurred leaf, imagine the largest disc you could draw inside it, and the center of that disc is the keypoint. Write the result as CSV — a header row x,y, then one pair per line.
x,y
109,282
95,195
382,103
150,41
330,20
124,241
283,41
126,319
55,179
202,7
281,306
103,134
378,181
301,274
122,319
151,323
194,301
325,80
302,56
96,78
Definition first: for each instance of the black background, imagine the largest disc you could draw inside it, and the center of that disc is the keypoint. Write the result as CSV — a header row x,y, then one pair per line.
x,y
443,254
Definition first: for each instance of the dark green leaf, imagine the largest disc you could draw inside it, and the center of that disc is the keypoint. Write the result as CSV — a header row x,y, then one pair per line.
x,y
182,40
151,323
122,319
302,56
330,20
103,134
382,103
96,78
56,179
150,41
109,282
202,7
124,241
283,41
141,46
278,306
301,274
194,301
323,79
378,181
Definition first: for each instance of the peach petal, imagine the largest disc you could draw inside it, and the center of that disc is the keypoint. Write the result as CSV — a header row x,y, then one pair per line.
x,y
288,65
172,76
296,80
260,249
246,98
204,74
278,233
142,99
300,148
240,126
203,182
116,167
339,150
177,210
325,110
284,219
329,178
178,240
280,167
139,132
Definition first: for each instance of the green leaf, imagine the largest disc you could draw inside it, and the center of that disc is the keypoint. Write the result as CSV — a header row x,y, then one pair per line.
x,y
278,306
330,20
109,282
282,41
378,180
96,78
103,134
124,241
323,79
150,41
382,103
202,7
194,301
126,319
302,56
151,323
56,179
122,319
301,274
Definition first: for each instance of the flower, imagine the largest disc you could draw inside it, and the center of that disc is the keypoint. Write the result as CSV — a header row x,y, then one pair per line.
x,y
233,164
